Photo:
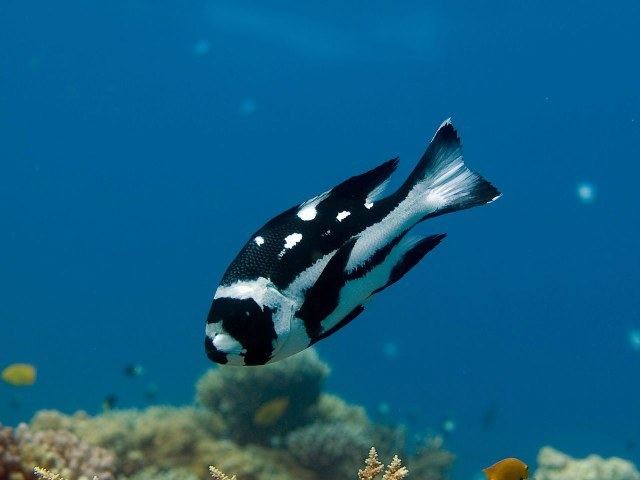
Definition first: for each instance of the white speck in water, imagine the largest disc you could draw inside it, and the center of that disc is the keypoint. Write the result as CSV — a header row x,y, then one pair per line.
x,y
201,48
586,192
342,215
634,339
290,241
384,408
390,350
368,205
448,426
259,240
247,107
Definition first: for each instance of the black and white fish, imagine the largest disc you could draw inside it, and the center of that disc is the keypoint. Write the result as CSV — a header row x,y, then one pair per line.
x,y
309,271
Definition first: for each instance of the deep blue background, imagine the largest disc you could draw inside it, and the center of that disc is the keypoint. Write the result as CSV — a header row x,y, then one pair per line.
x,y
135,163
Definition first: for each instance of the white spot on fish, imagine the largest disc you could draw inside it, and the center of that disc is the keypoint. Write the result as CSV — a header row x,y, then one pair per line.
x,y
226,343
290,241
308,209
308,213
259,240
368,205
342,215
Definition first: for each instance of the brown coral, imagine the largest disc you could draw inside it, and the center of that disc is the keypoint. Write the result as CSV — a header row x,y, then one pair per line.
x,y
237,393
60,450
431,461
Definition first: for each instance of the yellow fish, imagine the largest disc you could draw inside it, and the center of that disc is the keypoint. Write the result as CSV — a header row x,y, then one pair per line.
x,y
270,412
507,469
19,374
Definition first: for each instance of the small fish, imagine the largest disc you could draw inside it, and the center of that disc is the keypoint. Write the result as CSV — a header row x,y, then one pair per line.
x,y
109,402
269,413
507,469
489,417
19,374
309,271
133,370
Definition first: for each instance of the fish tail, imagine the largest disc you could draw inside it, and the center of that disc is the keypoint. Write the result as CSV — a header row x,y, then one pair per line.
x,y
441,182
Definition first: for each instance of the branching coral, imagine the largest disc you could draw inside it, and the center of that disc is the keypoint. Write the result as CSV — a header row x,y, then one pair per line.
x,y
238,393
218,475
372,466
45,474
372,469
161,437
22,449
395,470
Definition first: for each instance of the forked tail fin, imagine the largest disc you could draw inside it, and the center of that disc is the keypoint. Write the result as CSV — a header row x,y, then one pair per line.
x,y
441,179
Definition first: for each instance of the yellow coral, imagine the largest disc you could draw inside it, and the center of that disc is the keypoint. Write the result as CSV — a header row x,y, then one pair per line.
x,y
372,468
215,474
45,474
395,470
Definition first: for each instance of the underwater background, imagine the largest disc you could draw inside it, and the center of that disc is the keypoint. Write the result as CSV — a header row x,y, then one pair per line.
x,y
141,143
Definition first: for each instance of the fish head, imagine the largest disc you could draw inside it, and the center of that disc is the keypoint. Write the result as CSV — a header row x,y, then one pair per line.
x,y
247,323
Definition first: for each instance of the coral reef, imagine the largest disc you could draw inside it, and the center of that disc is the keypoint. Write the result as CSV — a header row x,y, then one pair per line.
x,y
555,465
238,393
267,423
334,448
431,461
373,468
23,448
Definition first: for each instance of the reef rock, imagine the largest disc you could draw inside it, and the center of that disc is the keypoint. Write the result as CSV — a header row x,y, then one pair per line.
x,y
555,465
239,393
22,449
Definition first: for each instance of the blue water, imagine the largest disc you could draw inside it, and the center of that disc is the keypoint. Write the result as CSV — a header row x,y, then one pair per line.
x,y
141,142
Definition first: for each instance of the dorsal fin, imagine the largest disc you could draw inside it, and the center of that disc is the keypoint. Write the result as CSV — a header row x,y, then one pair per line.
x,y
366,185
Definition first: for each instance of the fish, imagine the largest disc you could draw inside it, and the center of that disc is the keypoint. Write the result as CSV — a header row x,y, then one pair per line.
x,y
109,402
310,271
507,469
270,412
19,374
133,370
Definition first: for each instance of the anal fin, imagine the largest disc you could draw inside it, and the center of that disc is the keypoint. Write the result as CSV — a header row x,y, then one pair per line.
x,y
410,258
345,321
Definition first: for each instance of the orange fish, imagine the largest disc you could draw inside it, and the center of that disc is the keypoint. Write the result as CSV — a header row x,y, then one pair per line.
x,y
507,469
270,412
19,374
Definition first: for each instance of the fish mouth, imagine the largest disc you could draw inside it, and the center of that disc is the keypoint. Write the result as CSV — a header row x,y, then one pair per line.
x,y
214,354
